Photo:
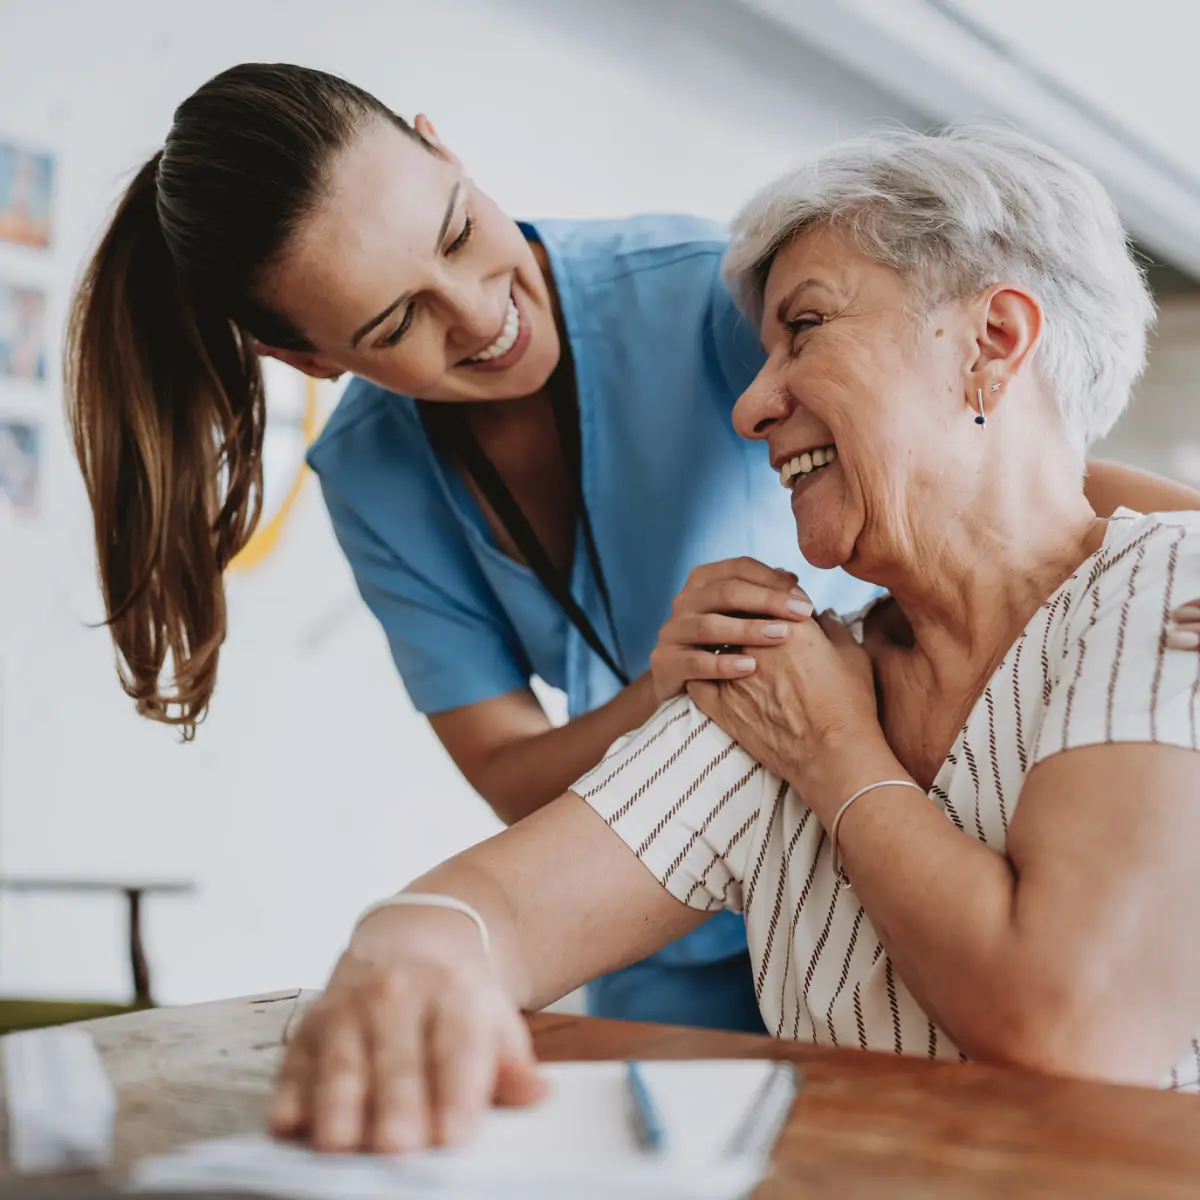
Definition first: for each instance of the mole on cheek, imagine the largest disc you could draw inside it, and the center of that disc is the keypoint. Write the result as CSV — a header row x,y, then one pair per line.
x,y
939,333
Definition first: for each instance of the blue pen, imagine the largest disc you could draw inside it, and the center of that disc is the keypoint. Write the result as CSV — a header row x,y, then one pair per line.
x,y
646,1122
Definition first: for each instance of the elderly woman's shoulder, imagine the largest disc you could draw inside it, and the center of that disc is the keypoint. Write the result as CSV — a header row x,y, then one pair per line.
x,y
1103,670
677,732
1169,534
1147,565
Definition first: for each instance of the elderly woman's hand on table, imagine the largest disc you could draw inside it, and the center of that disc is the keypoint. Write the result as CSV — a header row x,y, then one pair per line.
x,y
407,1047
813,691
420,1031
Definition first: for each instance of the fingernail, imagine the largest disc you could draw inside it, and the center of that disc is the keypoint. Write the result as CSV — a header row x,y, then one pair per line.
x,y
1187,614
802,608
1183,639
744,664
775,630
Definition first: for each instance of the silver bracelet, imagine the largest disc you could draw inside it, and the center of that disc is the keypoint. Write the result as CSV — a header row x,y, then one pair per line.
x,y
431,900
839,871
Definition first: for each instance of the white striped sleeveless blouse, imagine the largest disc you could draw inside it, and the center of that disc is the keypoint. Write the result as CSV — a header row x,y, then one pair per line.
x,y
719,831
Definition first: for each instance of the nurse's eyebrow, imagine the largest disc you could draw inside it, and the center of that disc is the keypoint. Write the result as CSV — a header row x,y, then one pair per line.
x,y
379,318
781,313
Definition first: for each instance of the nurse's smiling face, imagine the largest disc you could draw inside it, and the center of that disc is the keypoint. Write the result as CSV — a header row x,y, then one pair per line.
x,y
410,276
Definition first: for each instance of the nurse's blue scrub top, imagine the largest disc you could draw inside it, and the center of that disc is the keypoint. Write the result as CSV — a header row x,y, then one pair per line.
x,y
661,355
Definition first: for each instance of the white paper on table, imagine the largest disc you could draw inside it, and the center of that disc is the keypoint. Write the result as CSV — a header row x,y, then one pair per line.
x,y
721,1118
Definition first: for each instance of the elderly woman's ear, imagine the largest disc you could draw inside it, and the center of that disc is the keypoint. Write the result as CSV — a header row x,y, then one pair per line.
x,y
1010,326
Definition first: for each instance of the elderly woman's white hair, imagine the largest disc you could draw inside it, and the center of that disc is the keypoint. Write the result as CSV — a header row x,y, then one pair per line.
x,y
955,212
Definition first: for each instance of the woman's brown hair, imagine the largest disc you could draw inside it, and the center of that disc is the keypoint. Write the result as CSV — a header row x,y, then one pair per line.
x,y
164,393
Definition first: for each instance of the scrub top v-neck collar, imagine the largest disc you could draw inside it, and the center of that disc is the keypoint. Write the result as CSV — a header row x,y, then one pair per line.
x,y
471,515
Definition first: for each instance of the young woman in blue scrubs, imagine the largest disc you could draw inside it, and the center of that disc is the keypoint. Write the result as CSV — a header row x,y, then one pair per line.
x,y
534,460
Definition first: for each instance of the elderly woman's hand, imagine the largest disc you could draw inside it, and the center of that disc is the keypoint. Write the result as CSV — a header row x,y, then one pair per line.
x,y
711,611
402,1051
814,692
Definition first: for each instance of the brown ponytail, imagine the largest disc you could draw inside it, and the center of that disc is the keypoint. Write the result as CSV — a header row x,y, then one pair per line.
x,y
167,411
164,394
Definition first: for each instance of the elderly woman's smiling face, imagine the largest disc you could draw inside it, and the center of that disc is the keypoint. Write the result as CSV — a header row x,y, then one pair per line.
x,y
858,380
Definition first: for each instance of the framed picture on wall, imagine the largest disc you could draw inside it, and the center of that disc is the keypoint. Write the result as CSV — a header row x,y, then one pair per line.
x,y
26,186
20,467
22,333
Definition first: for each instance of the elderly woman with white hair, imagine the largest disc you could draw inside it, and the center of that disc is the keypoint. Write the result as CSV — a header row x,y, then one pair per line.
x,y
962,823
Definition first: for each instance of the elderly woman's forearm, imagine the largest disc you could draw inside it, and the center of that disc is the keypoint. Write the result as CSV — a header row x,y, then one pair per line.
x,y
1038,956
403,932
562,896
941,904
950,914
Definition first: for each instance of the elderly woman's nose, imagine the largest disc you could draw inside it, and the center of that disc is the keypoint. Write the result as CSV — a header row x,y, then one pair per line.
x,y
759,407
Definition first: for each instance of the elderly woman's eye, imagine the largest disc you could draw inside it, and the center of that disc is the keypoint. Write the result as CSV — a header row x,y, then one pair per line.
x,y
800,325
804,323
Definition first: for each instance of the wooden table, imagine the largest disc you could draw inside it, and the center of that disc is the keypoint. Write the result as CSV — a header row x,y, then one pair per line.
x,y
865,1125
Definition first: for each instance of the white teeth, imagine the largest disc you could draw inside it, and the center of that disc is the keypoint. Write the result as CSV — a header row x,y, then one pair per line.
x,y
507,339
806,464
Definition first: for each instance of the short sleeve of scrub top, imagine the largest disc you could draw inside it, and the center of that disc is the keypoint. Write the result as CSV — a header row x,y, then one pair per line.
x,y
411,558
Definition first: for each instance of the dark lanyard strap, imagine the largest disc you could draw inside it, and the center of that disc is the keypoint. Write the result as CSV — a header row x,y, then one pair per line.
x,y
566,419
450,431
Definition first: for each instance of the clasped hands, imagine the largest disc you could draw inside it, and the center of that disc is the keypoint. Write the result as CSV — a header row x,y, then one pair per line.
x,y
800,685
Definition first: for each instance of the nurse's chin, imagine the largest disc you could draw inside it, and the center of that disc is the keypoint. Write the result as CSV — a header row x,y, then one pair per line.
x,y
527,379
524,378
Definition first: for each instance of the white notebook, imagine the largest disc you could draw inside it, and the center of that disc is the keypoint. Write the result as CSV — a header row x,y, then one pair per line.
x,y
61,1105
721,1119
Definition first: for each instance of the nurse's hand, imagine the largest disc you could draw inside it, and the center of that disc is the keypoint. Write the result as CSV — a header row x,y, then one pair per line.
x,y
1183,628
404,1050
711,613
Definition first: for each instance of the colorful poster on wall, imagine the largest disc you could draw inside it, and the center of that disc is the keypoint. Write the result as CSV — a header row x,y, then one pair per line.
x,y
26,186
20,466
22,333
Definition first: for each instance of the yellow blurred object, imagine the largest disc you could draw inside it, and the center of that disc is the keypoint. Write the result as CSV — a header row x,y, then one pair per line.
x,y
266,537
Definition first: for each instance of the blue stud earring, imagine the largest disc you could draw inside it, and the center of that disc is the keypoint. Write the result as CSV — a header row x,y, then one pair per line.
x,y
981,419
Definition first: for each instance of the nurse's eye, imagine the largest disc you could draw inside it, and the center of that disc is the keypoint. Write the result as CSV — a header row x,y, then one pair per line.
x,y
402,328
463,238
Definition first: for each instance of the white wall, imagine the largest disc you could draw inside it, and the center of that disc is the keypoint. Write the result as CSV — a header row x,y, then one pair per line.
x,y
1135,63
313,788
1108,82
1161,429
